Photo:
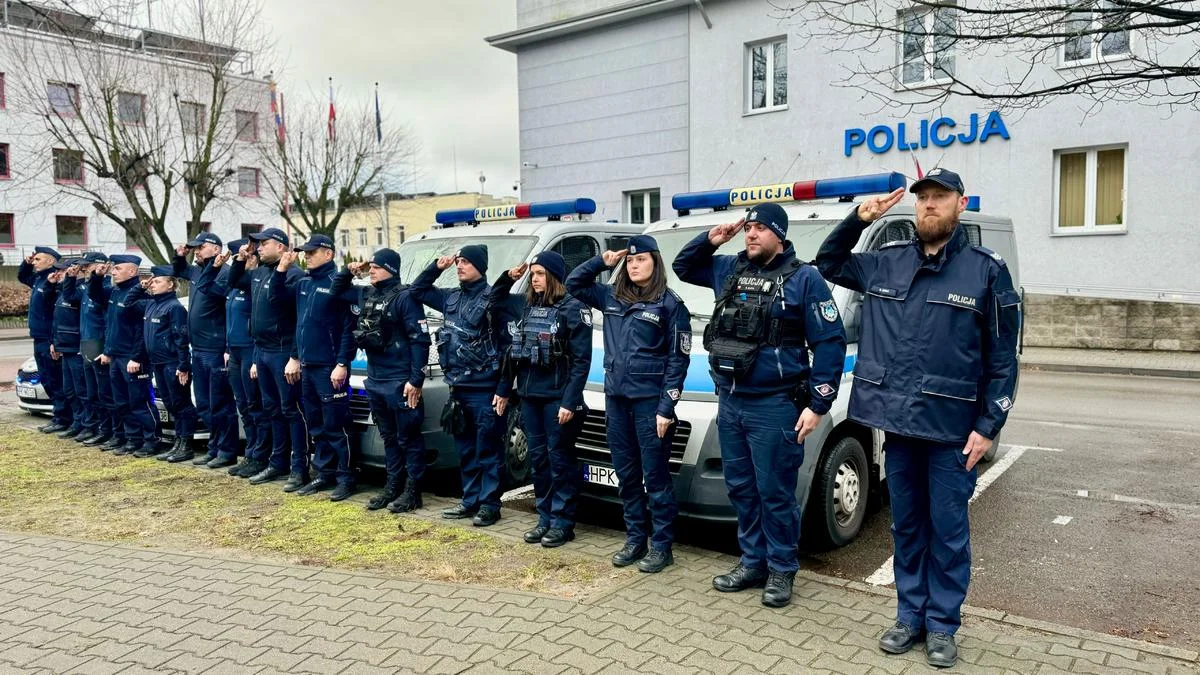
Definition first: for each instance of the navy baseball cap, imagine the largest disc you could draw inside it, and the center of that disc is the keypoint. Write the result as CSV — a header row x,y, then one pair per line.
x,y
67,262
237,244
125,258
772,216
642,243
270,233
944,177
48,251
162,271
315,242
94,257
204,238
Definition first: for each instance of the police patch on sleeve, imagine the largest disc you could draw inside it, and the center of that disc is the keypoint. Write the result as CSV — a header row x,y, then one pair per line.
x,y
585,315
512,328
825,389
355,310
685,343
1005,403
829,310
674,394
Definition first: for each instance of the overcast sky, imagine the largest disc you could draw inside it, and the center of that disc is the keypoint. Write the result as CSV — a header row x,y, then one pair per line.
x,y
435,73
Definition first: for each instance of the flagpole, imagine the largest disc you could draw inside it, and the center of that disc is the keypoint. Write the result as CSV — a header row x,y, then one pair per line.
x,y
387,229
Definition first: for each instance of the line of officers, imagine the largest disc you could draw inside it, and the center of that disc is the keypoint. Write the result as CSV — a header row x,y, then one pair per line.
x,y
282,338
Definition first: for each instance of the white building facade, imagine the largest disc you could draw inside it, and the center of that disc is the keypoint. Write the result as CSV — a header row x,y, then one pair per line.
x,y
629,101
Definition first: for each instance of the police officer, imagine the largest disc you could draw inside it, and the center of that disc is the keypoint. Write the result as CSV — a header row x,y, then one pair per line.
x,y
206,328
647,339
125,353
239,356
97,387
936,371
65,344
325,347
470,344
34,273
165,330
550,357
771,310
272,288
392,331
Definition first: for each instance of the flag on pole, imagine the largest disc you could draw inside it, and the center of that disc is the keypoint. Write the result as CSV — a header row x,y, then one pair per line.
x,y
378,118
920,174
277,112
332,113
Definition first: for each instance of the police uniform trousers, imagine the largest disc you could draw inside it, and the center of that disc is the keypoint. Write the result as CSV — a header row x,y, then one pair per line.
x,y
640,459
177,398
327,410
131,398
50,373
214,403
761,460
74,390
399,427
930,488
248,399
556,471
98,395
480,448
281,407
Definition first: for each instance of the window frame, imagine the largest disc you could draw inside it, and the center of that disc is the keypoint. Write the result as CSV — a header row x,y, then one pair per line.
x,y
1089,227
200,121
345,238
362,237
6,169
71,88
3,93
54,168
246,233
1095,57
12,227
257,182
237,132
748,76
645,194
928,53
141,109
82,219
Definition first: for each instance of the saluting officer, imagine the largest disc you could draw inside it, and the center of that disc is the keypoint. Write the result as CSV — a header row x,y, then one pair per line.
x,y
936,370
470,344
206,328
550,357
272,288
34,273
647,340
64,346
325,347
771,310
97,386
391,329
239,357
125,353
165,330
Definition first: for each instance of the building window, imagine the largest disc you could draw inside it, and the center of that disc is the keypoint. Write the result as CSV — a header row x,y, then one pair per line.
x,y
63,98
766,75
379,237
131,108
927,45
345,239
8,237
1089,190
248,182
192,117
3,104
642,206
5,173
1100,36
68,166
247,125
362,236
248,228
71,230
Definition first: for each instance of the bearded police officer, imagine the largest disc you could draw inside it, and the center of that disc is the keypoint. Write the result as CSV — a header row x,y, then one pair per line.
x,y
937,371
771,310
34,273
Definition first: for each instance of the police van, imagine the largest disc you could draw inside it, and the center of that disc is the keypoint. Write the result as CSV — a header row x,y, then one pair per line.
x,y
842,471
514,234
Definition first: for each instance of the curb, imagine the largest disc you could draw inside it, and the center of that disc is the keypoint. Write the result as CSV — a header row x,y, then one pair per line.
x,y
1110,370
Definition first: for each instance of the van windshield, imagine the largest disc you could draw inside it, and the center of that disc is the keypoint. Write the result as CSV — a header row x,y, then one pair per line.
x,y
504,252
806,236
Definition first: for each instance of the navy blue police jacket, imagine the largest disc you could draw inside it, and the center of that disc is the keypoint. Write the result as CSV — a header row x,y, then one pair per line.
x,y
206,303
42,297
566,377
165,331
126,303
237,314
938,354
408,342
324,324
272,303
647,345
805,298
66,317
474,333
92,311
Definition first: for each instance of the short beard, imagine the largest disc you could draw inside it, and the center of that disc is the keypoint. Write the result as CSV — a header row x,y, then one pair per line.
x,y
935,232
269,260
763,256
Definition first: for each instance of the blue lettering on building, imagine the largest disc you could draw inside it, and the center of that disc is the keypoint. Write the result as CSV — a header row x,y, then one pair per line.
x,y
940,133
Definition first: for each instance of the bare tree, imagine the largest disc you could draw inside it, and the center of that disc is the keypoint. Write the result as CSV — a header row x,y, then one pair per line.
x,y
315,176
132,120
891,43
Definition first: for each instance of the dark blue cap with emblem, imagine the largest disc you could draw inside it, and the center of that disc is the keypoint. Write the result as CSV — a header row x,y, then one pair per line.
x,y
237,244
162,271
122,258
943,177
48,251
772,216
204,238
553,262
315,242
642,243
94,257
270,233
387,259
67,262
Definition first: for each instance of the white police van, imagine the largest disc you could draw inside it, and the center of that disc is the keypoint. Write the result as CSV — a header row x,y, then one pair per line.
x,y
842,470
514,234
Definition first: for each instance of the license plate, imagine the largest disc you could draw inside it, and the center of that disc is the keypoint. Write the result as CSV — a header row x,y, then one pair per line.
x,y
600,475
164,416
25,391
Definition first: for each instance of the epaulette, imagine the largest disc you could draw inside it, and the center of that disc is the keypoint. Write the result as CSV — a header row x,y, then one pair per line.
x,y
678,298
898,242
989,253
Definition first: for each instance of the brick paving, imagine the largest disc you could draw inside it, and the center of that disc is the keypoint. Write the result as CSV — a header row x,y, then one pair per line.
x,y
78,607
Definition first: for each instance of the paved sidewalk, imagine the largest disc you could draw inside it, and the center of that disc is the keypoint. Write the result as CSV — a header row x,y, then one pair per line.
x,y
1159,363
68,606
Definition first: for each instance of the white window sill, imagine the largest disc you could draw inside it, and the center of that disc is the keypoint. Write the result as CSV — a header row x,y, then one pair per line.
x,y
923,84
1103,60
763,111
1089,232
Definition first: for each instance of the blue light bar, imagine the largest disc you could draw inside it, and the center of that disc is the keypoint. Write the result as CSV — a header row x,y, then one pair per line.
x,y
973,203
581,206
825,188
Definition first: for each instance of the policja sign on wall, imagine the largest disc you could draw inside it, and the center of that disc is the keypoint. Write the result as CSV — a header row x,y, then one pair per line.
x,y
882,138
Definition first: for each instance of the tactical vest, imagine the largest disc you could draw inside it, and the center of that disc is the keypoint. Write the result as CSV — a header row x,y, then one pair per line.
x,y
372,332
465,341
537,340
742,322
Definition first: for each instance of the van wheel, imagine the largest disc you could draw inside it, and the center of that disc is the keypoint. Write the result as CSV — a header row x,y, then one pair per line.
x,y
516,451
840,494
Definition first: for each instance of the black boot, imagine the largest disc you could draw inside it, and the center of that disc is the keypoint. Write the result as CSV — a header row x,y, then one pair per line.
x,y
85,436
739,579
940,650
312,487
409,500
458,512
391,490
202,459
147,450
128,448
656,561
295,481
183,453
112,444
778,592
900,638
556,536
267,475
486,517
535,535
70,432
342,492
629,555
98,440
52,428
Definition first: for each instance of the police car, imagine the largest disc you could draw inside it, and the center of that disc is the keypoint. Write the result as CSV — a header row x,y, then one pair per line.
x,y
513,233
842,470
31,394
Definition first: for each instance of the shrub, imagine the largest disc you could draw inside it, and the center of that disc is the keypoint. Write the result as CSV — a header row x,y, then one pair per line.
x,y
14,298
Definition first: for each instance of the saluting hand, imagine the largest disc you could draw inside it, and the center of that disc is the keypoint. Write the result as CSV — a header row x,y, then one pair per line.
x,y
220,258
245,251
878,205
977,447
723,233
611,258
359,268
145,283
662,425
518,271
445,262
285,261
181,250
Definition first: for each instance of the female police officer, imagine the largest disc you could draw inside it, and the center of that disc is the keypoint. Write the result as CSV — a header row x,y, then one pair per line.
x,y
550,357
647,339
